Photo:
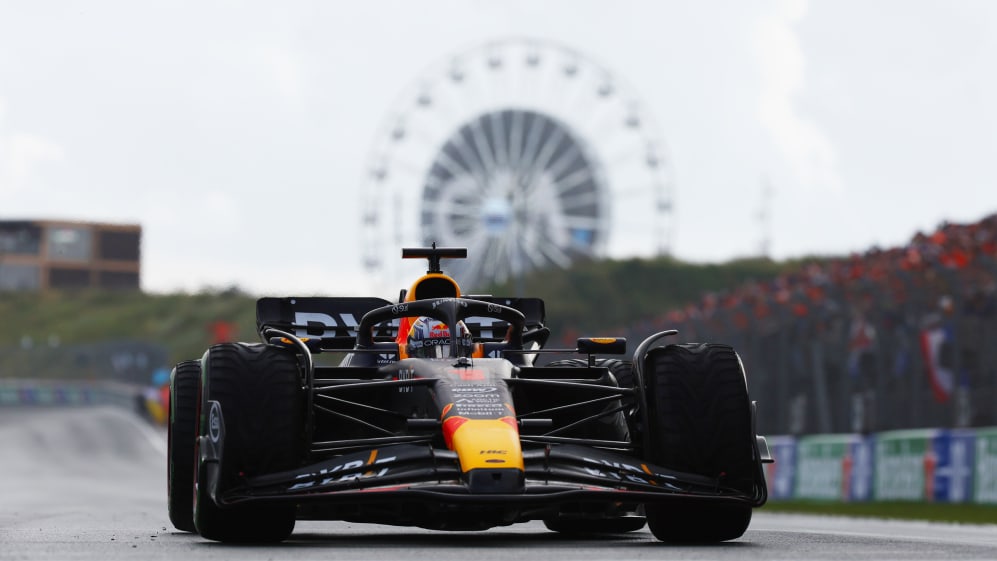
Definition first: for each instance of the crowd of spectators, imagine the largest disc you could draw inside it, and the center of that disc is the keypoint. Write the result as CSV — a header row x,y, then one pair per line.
x,y
871,309
955,263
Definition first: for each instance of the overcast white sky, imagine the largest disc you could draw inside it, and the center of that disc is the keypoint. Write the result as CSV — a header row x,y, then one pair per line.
x,y
237,133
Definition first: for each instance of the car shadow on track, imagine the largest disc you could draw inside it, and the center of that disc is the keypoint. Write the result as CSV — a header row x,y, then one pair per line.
x,y
478,540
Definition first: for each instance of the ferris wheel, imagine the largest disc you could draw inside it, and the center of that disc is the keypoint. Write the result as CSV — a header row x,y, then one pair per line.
x,y
524,151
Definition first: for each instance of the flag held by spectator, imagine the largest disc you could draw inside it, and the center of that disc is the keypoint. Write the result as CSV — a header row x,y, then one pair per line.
x,y
934,344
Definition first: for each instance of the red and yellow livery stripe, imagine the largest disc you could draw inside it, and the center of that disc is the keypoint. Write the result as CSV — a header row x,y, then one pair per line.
x,y
484,443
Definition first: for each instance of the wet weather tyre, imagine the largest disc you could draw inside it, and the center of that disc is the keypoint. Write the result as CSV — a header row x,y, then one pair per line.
x,y
583,526
181,432
619,428
622,370
258,388
616,427
699,421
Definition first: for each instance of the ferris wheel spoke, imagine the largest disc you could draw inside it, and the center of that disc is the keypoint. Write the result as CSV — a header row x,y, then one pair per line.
x,y
482,147
498,139
579,200
404,166
535,257
453,167
510,254
532,140
491,260
625,156
516,138
469,161
573,180
572,83
553,253
481,159
550,145
582,222
504,249
422,132
463,224
435,182
572,155
477,158
464,217
465,209
603,122
456,98
634,191
528,73
544,155
476,244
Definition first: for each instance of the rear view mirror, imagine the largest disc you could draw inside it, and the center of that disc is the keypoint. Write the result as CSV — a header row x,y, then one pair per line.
x,y
602,345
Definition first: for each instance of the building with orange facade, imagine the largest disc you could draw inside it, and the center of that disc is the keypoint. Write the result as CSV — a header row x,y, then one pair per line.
x,y
38,255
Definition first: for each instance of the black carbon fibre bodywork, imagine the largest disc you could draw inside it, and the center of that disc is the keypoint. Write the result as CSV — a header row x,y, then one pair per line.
x,y
413,485
351,429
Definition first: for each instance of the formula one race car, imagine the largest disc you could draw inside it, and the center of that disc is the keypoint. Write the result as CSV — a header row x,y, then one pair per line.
x,y
437,413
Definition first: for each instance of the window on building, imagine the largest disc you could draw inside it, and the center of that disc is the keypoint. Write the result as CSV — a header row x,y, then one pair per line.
x,y
118,245
19,277
20,238
68,278
69,243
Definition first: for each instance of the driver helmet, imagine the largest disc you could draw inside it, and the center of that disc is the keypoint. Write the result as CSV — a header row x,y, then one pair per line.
x,y
430,338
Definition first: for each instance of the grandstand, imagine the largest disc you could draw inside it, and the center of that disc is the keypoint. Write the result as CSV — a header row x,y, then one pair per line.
x,y
891,338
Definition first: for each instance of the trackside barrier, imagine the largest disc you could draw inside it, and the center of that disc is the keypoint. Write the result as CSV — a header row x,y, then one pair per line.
x,y
781,474
985,469
22,392
920,465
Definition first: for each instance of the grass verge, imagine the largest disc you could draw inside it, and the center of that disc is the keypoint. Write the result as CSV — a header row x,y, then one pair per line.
x,y
934,512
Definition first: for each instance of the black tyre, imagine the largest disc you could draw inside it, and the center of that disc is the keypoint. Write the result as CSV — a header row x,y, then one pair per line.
x,y
610,427
622,370
181,432
259,390
699,418
589,526
617,427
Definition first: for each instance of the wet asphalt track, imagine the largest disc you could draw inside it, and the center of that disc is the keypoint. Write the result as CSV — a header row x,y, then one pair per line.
x,y
90,484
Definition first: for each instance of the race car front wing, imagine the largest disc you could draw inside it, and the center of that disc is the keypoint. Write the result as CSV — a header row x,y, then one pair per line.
x,y
555,473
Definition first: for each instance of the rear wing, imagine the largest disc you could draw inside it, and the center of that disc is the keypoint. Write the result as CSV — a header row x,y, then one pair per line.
x,y
335,319
332,319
